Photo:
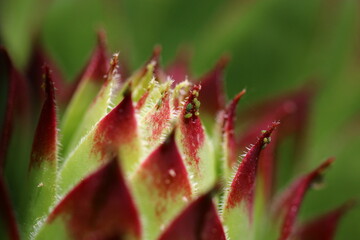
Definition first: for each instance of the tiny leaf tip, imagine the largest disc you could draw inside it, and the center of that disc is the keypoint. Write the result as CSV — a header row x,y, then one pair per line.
x,y
242,186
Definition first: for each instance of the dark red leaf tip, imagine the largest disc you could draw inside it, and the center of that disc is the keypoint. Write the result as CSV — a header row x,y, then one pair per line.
x,y
45,141
229,128
100,207
242,187
48,84
97,66
213,87
199,221
231,109
117,127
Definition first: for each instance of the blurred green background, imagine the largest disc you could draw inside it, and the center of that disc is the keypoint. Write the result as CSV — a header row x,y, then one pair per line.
x,y
275,45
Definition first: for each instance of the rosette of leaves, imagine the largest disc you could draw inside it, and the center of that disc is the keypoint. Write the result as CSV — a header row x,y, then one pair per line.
x,y
157,154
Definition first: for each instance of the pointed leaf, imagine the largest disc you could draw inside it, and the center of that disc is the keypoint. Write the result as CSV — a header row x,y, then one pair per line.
x,y
99,207
41,184
89,84
292,110
45,140
117,132
239,200
156,122
288,204
100,106
242,186
141,79
199,221
229,140
162,186
194,143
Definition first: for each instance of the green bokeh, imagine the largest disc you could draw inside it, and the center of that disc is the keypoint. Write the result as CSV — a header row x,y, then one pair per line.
x,y
275,45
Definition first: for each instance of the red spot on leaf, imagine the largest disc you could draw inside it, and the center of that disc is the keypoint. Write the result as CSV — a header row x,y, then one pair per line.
x,y
191,128
289,202
165,173
213,95
242,187
199,221
100,207
116,128
45,140
156,121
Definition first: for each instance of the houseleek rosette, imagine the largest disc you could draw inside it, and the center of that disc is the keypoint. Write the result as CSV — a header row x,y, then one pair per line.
x,y
153,155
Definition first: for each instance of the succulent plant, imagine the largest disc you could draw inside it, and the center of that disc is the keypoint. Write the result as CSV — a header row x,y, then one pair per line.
x,y
152,155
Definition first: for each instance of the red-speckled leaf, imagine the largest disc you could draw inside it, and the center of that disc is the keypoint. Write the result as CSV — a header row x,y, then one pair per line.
x,y
239,198
117,133
17,101
229,140
213,95
41,182
162,186
323,227
88,85
156,122
99,207
194,144
242,187
288,204
8,226
179,69
191,128
199,221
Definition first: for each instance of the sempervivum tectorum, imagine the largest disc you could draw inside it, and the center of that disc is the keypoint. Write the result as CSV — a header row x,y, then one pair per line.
x,y
131,158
